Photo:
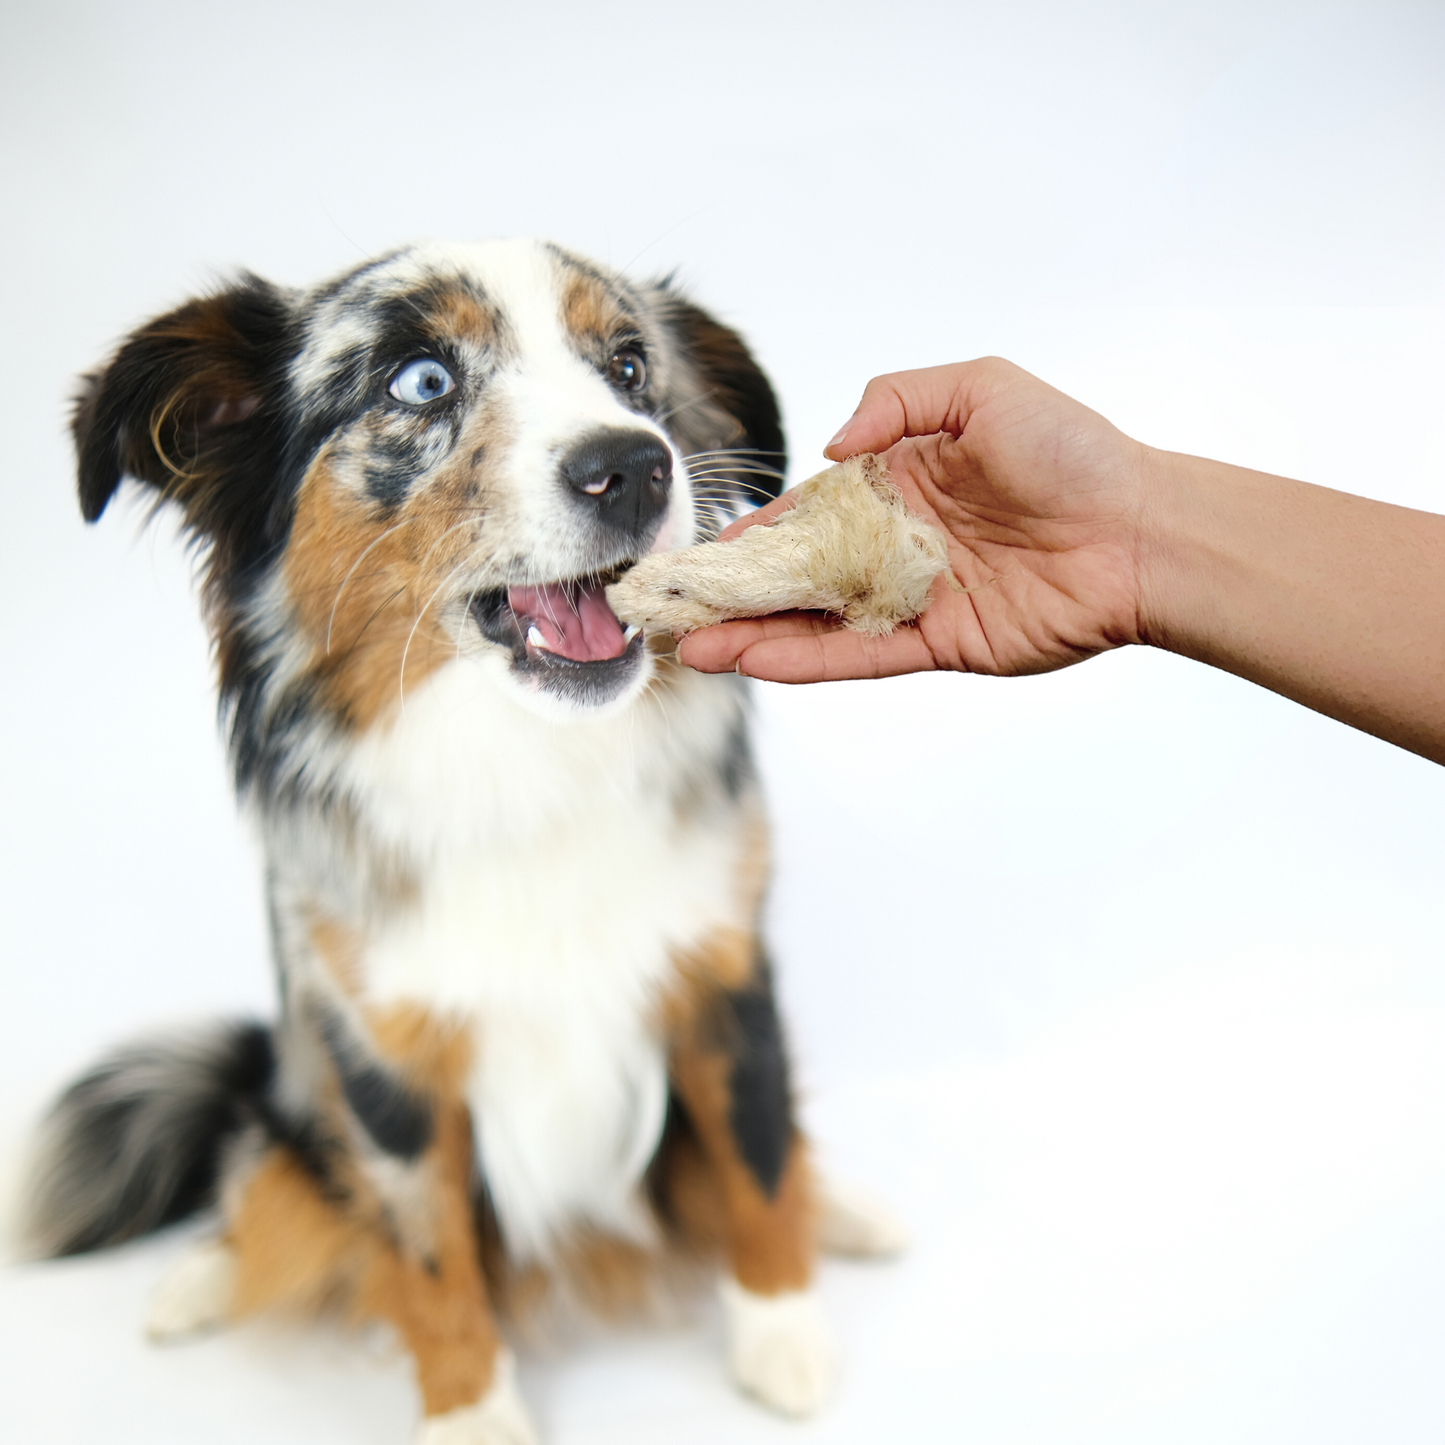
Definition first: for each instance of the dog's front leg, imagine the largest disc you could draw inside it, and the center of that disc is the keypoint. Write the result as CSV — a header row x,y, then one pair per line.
x,y
729,1069
392,1233
436,1298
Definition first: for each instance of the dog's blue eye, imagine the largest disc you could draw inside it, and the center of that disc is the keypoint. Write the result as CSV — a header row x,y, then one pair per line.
x,y
420,382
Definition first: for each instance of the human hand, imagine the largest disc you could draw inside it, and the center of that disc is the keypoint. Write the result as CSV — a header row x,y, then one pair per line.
x,y
1040,499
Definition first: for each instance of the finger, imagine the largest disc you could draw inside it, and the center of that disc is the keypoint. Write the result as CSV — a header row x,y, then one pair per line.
x,y
804,647
717,648
762,517
835,656
904,403
913,404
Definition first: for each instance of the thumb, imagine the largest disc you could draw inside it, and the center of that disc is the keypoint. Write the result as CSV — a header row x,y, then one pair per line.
x,y
905,404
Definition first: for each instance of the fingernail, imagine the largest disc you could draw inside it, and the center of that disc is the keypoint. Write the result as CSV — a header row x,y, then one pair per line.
x,y
842,432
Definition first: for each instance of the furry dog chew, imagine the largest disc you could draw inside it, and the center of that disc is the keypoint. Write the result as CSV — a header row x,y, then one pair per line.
x,y
515,853
848,547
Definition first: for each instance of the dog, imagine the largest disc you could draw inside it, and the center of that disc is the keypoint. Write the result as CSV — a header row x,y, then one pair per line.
x,y
527,1044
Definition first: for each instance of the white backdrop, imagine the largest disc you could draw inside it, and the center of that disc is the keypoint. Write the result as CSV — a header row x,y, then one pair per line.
x,y
1126,984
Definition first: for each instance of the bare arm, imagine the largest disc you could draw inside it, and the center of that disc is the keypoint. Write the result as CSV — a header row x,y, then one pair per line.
x,y
1069,538
1327,598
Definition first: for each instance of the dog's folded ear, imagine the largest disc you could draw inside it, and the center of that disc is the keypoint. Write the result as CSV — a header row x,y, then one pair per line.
x,y
190,405
731,384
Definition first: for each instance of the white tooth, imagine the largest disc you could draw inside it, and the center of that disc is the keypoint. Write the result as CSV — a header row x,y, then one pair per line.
x,y
534,636
631,632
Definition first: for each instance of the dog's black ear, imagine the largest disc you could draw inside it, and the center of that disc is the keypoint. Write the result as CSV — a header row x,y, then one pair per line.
x,y
190,405
734,384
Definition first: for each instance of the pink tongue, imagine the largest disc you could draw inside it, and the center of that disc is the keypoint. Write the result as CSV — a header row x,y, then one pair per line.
x,y
574,621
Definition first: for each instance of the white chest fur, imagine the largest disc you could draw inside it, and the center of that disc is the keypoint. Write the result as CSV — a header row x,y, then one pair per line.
x,y
556,881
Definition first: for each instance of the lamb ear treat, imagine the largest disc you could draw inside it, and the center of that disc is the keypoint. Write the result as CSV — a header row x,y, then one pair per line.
x,y
850,547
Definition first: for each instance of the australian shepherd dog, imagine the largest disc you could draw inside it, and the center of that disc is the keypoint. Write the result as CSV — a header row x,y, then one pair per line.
x,y
527,1042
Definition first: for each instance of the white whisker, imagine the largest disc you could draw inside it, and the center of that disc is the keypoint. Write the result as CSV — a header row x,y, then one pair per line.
x,y
361,557
683,406
716,471
721,491
350,571
455,527
731,452
471,602
401,675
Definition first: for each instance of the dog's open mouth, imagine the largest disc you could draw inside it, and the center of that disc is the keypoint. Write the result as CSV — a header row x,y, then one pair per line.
x,y
563,636
570,620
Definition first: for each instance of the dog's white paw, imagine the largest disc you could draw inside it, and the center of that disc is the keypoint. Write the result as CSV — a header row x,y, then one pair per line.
x,y
854,1223
779,1347
498,1418
195,1294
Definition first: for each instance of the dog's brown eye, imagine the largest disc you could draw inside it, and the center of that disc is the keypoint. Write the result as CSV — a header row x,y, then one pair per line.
x,y
627,370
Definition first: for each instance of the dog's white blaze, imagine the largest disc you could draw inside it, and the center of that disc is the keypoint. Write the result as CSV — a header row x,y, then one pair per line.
x,y
554,399
558,880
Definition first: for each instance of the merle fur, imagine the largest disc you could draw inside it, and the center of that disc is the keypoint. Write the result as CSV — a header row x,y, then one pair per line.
x,y
166,411
198,406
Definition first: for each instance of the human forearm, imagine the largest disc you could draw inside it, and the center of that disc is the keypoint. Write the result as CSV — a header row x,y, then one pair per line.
x,y
1068,538
1326,598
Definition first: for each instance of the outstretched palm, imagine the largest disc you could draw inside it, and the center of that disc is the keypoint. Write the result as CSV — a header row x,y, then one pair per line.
x,y
1039,498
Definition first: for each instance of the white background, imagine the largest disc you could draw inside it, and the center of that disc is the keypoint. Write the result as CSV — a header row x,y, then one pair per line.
x,y
1126,984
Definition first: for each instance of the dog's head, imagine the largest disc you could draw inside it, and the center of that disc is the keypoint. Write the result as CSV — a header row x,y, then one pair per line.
x,y
439,459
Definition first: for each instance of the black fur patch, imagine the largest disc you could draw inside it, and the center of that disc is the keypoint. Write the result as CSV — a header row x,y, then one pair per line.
x,y
761,1113
738,386
391,466
396,1119
193,404
136,1144
735,767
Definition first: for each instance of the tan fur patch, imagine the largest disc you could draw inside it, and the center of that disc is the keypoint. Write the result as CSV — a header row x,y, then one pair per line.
x,y
588,312
694,1199
458,315
293,1248
339,949
297,1249
432,1053
364,586
724,960
770,1241
439,1304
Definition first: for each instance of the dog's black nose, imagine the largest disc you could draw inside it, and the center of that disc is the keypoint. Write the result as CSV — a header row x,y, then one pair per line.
x,y
625,475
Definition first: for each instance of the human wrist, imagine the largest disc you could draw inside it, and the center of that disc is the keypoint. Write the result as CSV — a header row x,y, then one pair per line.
x,y
1178,548
1215,572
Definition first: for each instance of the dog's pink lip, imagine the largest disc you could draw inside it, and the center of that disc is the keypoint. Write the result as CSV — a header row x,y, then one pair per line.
x,y
568,619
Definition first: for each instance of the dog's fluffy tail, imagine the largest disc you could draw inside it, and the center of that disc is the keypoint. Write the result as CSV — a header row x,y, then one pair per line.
x,y
136,1143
